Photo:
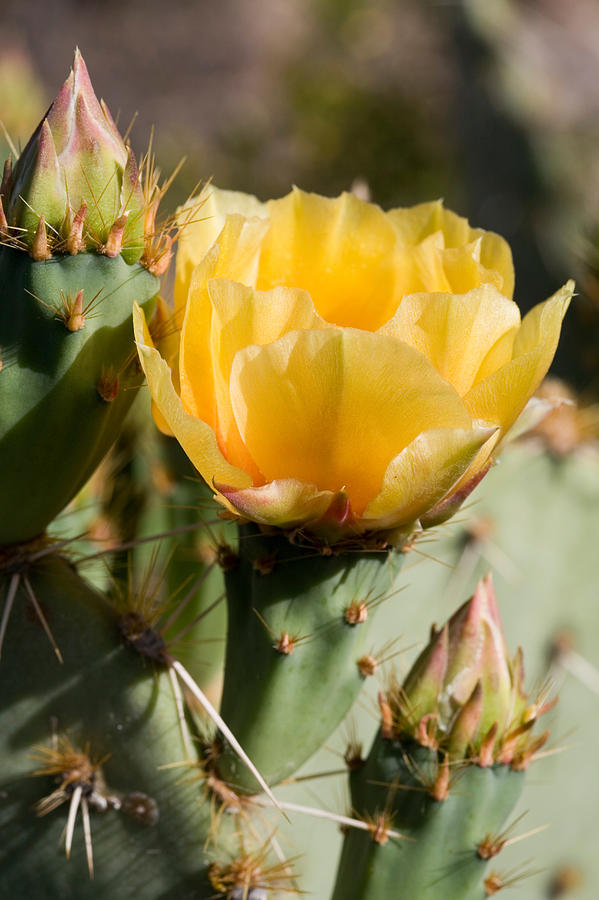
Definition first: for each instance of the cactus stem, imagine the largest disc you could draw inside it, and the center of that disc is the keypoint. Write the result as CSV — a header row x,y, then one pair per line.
x,y
353,757
80,779
205,703
41,617
40,248
114,241
265,564
8,604
181,634
180,706
75,243
186,600
284,643
108,385
249,877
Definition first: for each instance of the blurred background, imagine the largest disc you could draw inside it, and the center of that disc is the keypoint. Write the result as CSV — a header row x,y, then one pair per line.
x,y
491,104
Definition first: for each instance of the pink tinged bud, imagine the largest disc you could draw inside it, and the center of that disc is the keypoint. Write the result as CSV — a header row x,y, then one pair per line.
x,y
424,683
38,186
110,123
478,652
465,728
77,157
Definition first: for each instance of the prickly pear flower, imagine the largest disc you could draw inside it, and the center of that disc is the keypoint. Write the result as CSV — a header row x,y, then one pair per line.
x,y
342,370
464,694
77,176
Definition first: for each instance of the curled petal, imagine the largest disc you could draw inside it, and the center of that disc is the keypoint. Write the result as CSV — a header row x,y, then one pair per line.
x,y
196,437
461,334
423,474
501,396
285,502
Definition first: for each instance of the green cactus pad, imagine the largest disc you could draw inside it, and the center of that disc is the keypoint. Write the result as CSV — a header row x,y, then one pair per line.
x,y
110,698
438,857
54,425
282,706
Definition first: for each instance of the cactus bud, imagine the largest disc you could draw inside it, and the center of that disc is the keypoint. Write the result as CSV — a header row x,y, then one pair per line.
x,y
76,159
465,682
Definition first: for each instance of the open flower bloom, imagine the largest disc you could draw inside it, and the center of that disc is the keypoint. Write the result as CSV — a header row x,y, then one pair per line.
x,y
344,370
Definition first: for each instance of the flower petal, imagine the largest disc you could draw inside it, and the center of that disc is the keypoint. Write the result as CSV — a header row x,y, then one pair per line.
x,y
339,250
200,221
414,224
196,437
459,333
500,397
284,503
422,474
242,317
333,407
235,255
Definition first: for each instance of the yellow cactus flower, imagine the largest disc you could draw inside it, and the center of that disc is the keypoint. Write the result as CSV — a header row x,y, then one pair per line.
x,y
342,370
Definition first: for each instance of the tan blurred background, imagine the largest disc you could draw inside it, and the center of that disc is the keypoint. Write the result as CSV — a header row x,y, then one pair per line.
x,y
491,104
